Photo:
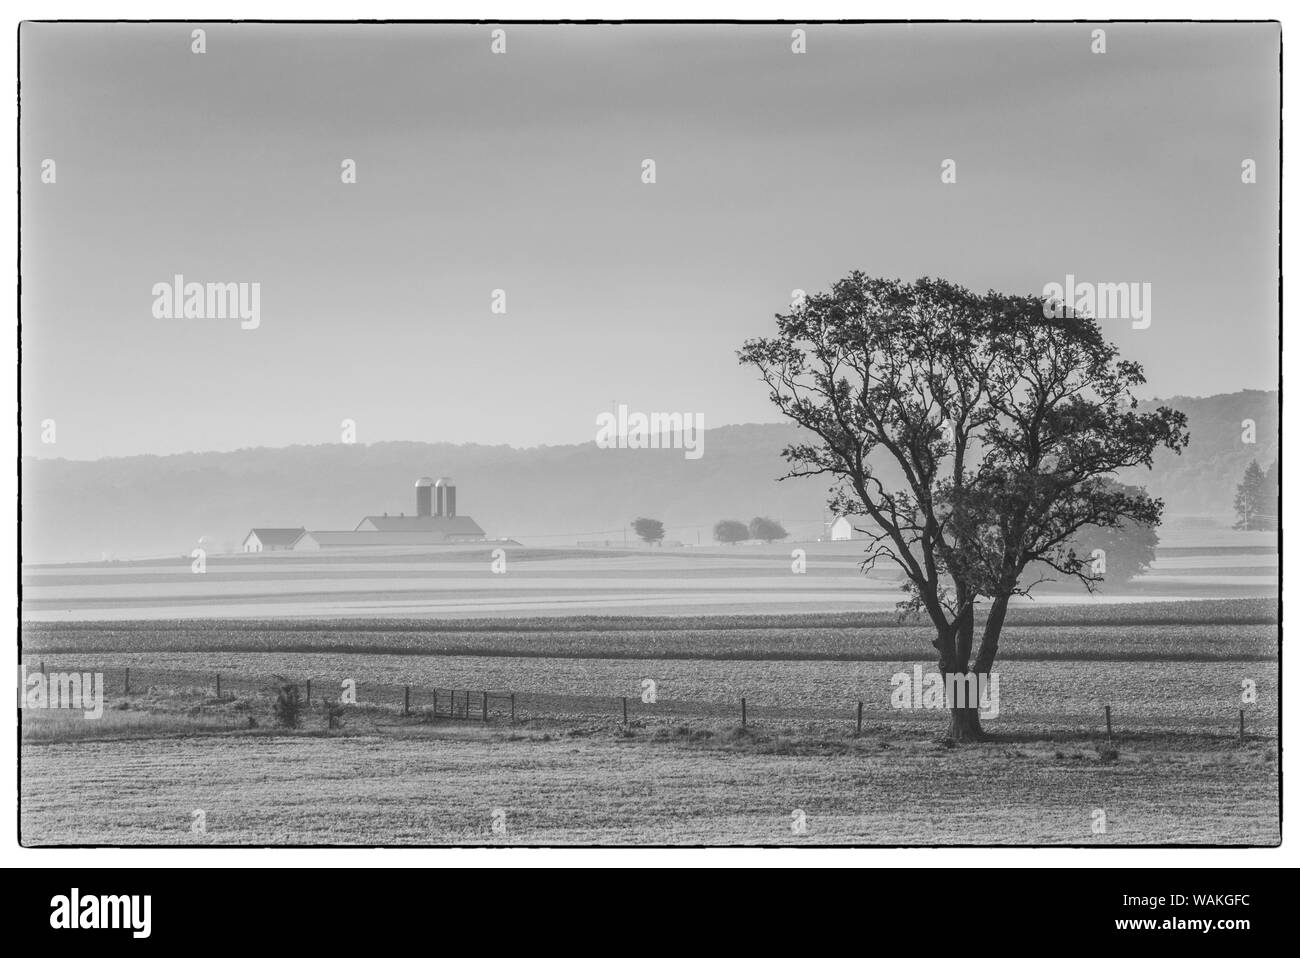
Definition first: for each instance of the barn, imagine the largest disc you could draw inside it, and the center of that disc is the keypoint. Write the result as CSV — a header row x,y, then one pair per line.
x,y
272,540
451,528
315,541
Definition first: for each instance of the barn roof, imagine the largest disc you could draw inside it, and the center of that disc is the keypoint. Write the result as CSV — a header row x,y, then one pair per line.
x,y
331,539
276,537
443,525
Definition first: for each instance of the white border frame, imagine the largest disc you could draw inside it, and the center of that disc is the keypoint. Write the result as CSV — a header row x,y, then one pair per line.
x,y
12,854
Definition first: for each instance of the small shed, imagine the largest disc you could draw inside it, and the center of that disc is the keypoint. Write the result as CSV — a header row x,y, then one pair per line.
x,y
841,528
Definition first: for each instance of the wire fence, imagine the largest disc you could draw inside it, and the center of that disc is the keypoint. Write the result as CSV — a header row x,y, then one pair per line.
x,y
216,688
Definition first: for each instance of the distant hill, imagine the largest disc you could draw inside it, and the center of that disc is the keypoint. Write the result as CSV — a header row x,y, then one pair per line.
x,y
556,495
1204,478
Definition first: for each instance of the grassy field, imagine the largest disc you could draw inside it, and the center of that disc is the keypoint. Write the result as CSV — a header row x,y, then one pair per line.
x,y
444,786
1236,629
682,771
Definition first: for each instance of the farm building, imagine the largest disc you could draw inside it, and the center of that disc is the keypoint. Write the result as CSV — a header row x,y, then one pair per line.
x,y
455,528
271,540
314,541
435,515
844,528
435,523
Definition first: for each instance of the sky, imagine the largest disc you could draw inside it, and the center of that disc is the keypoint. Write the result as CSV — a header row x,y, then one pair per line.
x,y
523,172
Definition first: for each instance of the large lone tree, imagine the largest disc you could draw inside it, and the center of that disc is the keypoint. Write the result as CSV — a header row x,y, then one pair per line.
x,y
979,435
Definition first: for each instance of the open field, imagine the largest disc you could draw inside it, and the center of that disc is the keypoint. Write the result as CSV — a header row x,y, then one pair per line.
x,y
682,770
1206,630
460,583
443,787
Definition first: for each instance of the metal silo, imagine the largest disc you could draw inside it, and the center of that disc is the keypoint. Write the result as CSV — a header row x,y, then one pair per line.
x,y
424,497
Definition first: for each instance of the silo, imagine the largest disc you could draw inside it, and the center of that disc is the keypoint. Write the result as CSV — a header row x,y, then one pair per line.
x,y
424,497
446,497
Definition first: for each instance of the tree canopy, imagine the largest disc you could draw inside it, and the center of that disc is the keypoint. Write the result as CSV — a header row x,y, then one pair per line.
x,y
730,530
768,530
651,531
1256,501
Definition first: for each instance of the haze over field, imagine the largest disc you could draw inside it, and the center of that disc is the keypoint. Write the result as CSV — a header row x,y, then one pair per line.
x,y
547,495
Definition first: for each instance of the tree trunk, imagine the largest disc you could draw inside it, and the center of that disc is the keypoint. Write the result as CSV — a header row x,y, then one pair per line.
x,y
965,725
954,659
992,632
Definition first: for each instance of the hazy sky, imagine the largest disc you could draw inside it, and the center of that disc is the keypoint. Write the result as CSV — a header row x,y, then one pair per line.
x,y
522,172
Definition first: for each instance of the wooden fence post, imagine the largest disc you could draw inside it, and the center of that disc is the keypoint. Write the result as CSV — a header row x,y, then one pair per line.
x,y
485,707
742,712
1241,726
1108,724
218,685
859,718
126,686
406,702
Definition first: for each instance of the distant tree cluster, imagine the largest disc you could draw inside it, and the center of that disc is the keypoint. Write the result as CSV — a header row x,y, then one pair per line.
x,y
730,530
760,527
651,531
765,529
1257,497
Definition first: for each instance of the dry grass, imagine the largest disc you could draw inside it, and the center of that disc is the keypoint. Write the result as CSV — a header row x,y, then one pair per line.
x,y
673,785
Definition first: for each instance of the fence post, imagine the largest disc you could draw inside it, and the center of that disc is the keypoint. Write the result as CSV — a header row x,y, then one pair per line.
x,y
485,707
1108,724
1241,726
625,710
406,702
126,688
435,703
42,668
218,685
859,718
309,691
742,712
